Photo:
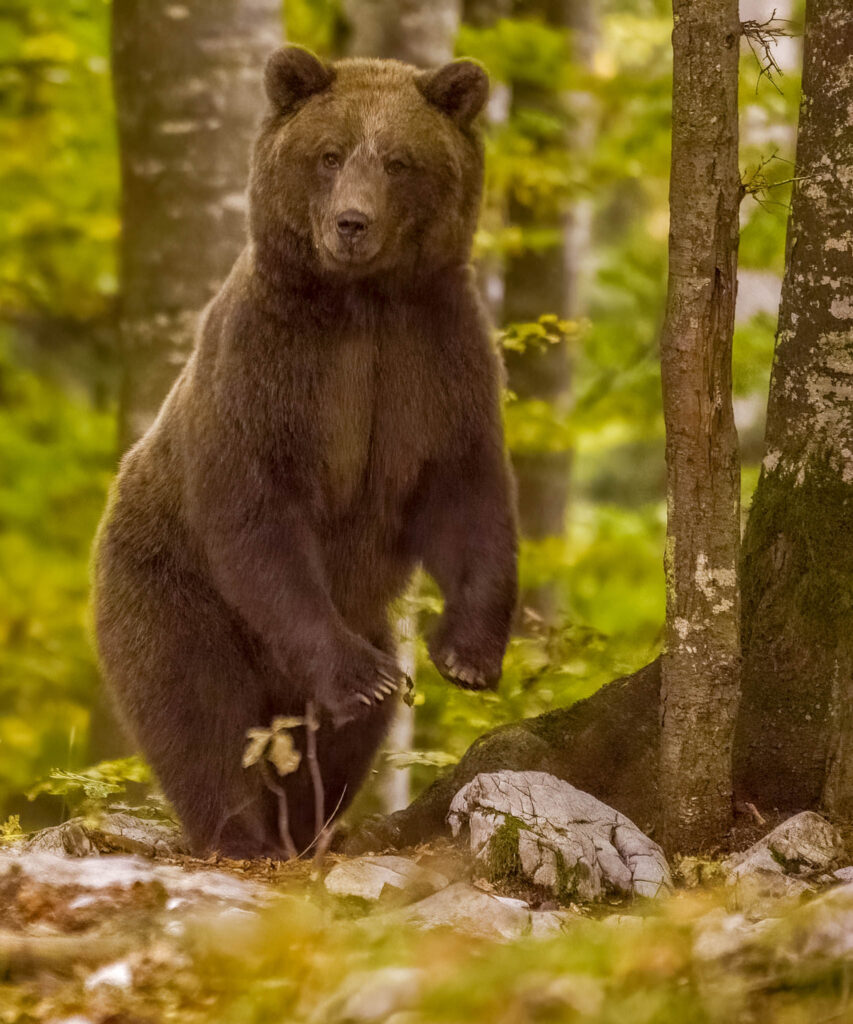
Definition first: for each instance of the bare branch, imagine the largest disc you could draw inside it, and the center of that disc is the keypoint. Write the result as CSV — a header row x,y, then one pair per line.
x,y
761,37
311,726
283,818
757,184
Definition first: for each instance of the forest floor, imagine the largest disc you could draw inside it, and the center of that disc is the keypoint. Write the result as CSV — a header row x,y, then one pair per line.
x,y
124,939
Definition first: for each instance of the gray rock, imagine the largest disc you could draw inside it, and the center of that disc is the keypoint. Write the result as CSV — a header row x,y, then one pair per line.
x,y
467,909
787,864
372,878
804,844
470,910
719,936
113,833
368,996
91,881
822,929
560,837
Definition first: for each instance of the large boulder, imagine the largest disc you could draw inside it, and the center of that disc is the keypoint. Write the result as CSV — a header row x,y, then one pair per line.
x,y
538,826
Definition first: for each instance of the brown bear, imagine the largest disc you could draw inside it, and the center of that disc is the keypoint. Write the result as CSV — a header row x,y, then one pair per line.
x,y
337,424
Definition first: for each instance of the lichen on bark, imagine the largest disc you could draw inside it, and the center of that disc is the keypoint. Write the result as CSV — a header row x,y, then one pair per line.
x,y
795,729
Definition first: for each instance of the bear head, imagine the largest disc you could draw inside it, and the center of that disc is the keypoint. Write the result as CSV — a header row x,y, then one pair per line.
x,y
366,168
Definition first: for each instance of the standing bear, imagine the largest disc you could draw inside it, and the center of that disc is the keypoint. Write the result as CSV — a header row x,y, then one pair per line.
x,y
337,424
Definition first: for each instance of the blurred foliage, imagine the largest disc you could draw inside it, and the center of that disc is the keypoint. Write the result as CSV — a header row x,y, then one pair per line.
x,y
58,161
311,959
58,227
95,784
57,454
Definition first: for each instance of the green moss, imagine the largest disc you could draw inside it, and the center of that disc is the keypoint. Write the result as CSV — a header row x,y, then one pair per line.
x,y
798,545
504,860
569,879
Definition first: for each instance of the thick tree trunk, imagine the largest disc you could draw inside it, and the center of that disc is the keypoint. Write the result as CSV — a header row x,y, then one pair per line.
x,y
795,729
701,663
188,97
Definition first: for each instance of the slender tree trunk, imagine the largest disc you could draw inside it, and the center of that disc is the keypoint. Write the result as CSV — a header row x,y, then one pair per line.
x,y
188,96
795,730
187,89
701,663
544,280
418,31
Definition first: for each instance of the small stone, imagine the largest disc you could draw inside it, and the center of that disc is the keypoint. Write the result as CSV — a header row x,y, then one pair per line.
x,y
372,878
545,923
784,866
466,909
374,995
802,845
114,975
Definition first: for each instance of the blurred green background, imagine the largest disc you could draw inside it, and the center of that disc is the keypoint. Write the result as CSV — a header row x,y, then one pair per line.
x,y
60,356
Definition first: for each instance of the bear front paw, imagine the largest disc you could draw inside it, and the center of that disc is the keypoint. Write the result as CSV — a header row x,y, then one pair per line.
x,y
363,678
464,665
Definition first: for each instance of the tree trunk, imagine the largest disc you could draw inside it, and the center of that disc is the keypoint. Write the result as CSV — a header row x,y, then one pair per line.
x,y
186,78
188,97
544,280
795,729
420,32
701,664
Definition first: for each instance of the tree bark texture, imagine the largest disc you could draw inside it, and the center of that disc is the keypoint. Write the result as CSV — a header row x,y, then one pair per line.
x,y
795,729
420,32
701,662
188,97
544,280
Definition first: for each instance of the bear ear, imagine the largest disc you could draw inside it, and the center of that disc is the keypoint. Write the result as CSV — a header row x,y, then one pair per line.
x,y
292,74
459,89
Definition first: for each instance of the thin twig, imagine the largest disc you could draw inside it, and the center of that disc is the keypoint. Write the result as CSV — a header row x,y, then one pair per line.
x,y
311,727
763,36
283,817
325,829
758,185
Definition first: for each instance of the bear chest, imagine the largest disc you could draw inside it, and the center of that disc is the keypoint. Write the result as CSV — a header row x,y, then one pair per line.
x,y
376,427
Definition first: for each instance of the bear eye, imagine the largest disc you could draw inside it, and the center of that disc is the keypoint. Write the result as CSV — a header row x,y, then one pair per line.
x,y
331,160
395,166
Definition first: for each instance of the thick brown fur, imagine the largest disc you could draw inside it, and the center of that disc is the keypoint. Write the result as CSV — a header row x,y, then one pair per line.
x,y
337,424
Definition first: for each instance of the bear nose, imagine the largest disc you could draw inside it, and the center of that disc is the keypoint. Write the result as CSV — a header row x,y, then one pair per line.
x,y
352,224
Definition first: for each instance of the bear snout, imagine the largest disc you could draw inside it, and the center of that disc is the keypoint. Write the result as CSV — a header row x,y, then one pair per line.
x,y
352,224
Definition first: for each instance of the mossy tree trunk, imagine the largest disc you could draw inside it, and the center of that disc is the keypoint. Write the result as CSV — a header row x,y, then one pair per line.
x,y
188,97
702,657
795,730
